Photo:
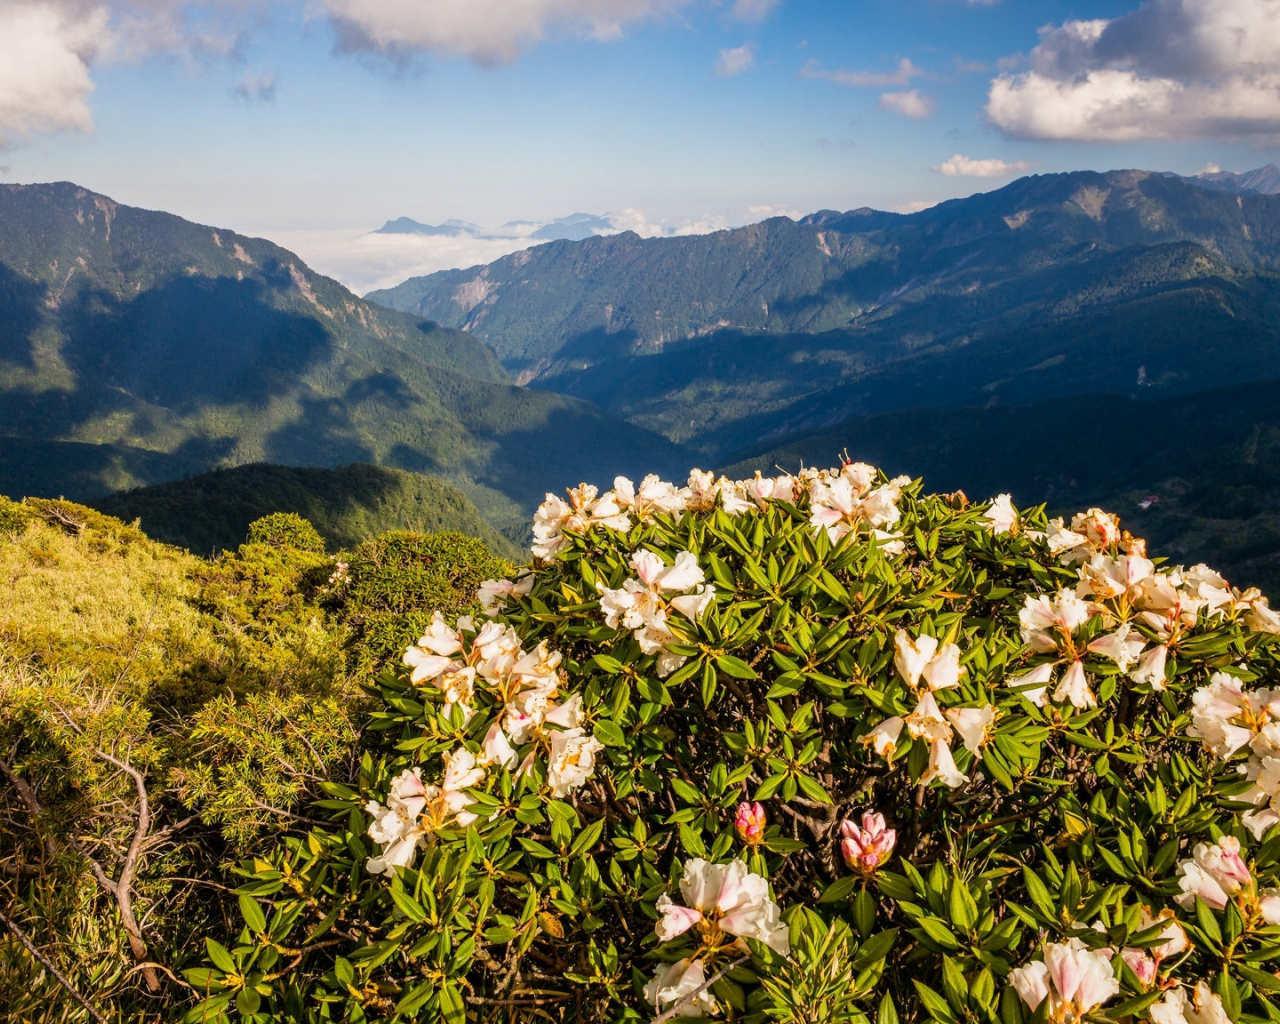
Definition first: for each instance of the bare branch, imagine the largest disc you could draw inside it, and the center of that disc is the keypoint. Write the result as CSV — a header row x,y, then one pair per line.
x,y
128,871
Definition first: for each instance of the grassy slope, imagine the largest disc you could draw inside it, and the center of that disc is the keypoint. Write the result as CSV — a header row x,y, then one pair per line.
x,y
1213,459
213,511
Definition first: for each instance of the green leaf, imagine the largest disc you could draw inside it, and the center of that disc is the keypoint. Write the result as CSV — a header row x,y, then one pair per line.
x,y
1208,922
838,890
221,956
735,667
888,1013
609,734
964,912
452,1008
408,906
251,911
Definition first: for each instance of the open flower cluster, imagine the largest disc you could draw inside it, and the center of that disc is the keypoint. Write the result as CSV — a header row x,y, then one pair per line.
x,y
843,500
805,747
642,604
468,662
1227,719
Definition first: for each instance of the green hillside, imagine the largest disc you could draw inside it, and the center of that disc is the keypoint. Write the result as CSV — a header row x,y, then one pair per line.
x,y
144,332
725,340
212,511
1211,458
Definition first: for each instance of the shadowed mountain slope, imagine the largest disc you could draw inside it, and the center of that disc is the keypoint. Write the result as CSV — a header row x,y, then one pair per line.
x,y
1211,460
143,332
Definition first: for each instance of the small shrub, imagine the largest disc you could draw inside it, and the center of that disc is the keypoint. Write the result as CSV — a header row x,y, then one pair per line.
x,y
390,585
286,530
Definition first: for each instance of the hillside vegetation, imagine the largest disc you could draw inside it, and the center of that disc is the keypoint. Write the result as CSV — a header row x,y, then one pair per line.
x,y
220,692
212,511
144,333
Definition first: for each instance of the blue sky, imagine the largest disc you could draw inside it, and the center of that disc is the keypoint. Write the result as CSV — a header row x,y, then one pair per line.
x,y
337,114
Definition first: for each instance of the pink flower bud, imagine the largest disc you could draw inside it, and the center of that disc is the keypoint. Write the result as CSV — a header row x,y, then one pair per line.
x,y
866,847
750,823
1141,964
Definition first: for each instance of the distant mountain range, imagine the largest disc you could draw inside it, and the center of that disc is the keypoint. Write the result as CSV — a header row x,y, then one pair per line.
x,y
1133,282
136,346
1261,181
574,227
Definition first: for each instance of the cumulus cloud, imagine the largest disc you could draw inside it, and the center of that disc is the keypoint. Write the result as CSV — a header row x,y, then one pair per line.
x,y
901,75
487,31
909,104
1169,69
735,61
48,49
967,167
45,53
260,88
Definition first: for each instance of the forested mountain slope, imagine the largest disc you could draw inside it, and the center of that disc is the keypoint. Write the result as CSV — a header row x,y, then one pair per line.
x,y
147,333
212,511
1145,283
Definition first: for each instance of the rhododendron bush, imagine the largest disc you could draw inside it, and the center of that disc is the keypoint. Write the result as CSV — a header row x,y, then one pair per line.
x,y
812,748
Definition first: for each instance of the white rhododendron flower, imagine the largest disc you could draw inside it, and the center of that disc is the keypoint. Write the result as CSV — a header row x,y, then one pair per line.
x,y
883,739
926,722
942,766
1037,681
1076,980
1214,873
675,982
653,497
1204,1007
1226,719
493,594
585,509
1074,687
572,760
722,900
1050,623
1106,578
912,655
414,811
1001,517
642,604
1123,646
922,657
843,504
974,725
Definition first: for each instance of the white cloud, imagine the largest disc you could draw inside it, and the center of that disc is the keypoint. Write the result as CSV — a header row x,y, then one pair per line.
x,y
915,206
1169,69
735,61
44,68
48,49
909,104
487,31
901,75
967,167
257,87
752,10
